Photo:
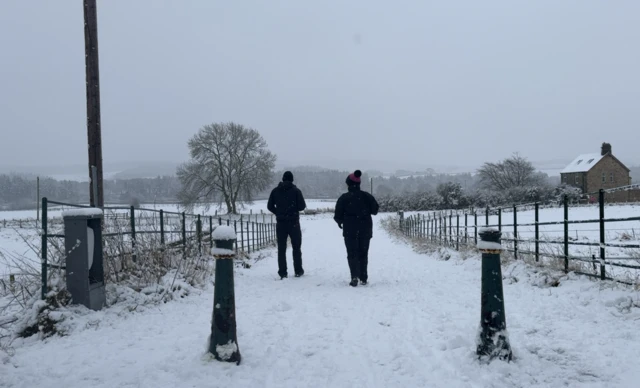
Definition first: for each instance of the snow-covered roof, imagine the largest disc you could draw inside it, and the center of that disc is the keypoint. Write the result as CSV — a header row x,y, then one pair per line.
x,y
582,163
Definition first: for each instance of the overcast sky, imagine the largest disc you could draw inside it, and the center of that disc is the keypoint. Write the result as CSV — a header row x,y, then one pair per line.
x,y
420,83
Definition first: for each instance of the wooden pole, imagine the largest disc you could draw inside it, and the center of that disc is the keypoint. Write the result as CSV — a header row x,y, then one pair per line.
x,y
92,75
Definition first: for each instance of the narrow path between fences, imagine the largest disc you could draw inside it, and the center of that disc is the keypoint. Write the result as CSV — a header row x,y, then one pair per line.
x,y
414,324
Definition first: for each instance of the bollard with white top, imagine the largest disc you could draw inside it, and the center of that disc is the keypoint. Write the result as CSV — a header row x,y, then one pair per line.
x,y
492,341
223,343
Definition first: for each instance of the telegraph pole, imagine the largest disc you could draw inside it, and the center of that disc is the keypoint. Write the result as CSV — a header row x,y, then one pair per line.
x,y
93,103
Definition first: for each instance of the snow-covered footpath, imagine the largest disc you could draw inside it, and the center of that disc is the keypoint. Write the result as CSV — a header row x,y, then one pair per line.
x,y
414,325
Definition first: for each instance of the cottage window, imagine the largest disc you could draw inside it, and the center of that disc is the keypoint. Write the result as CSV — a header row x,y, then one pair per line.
x,y
579,161
604,177
611,177
577,179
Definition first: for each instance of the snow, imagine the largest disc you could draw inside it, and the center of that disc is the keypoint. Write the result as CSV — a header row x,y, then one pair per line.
x,y
83,212
413,325
226,351
582,163
222,252
224,232
489,245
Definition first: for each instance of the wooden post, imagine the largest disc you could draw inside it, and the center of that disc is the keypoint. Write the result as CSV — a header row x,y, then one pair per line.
x,y
92,75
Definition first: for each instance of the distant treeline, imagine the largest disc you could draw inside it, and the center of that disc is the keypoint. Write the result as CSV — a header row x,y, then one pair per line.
x,y
413,192
19,191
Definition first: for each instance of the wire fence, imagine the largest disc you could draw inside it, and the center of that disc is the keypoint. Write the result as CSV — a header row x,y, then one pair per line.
x,y
589,243
129,233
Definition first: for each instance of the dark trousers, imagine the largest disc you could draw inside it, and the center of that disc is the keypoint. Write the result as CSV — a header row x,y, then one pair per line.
x,y
358,256
284,230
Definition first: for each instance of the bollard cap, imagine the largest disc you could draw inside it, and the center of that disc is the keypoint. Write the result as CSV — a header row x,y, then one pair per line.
x,y
224,233
489,240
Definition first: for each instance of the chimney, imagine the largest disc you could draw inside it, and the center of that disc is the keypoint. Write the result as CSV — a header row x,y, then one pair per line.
x,y
606,149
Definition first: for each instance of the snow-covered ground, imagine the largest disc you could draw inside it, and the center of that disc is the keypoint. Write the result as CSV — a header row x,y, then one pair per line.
x,y
414,325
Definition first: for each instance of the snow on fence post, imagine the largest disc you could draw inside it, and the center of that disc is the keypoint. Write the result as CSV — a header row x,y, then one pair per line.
x,y
602,235
492,340
223,342
132,219
565,201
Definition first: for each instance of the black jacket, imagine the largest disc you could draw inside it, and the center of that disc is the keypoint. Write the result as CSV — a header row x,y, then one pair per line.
x,y
353,213
286,202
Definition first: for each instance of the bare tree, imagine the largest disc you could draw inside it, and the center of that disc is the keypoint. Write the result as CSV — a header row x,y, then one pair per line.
x,y
228,162
510,173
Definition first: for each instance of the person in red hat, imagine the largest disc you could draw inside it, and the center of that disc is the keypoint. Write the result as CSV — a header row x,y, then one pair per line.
x,y
353,214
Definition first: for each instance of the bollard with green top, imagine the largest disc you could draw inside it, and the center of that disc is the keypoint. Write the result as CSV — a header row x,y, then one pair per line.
x,y
223,343
493,341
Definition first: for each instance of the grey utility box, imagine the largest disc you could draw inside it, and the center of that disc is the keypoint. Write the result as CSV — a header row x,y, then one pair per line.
x,y
84,264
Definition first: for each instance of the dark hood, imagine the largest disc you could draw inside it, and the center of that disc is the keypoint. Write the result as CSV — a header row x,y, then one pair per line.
x,y
286,185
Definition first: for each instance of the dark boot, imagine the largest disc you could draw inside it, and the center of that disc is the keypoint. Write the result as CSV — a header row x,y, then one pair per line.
x,y
354,282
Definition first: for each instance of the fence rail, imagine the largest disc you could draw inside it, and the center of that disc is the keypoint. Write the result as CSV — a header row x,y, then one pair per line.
x,y
604,252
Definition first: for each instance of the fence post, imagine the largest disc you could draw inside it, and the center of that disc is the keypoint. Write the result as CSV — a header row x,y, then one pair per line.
x,y
515,232
500,219
603,273
210,232
199,233
43,249
566,233
492,339
223,342
537,231
475,227
486,216
132,218
235,229
241,234
450,228
161,230
466,232
184,233
253,233
457,231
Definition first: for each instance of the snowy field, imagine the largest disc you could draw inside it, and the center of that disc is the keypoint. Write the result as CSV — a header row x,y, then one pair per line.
x,y
414,325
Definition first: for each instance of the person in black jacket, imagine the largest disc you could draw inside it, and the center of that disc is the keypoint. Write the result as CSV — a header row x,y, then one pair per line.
x,y
353,214
286,202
